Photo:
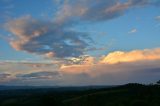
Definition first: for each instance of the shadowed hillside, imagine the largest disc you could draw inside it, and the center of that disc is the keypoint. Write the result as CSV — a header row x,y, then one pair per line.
x,y
126,95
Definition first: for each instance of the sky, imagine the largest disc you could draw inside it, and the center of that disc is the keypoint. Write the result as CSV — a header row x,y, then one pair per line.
x,y
79,42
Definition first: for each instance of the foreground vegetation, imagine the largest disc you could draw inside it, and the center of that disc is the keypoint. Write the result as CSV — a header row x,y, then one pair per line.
x,y
126,95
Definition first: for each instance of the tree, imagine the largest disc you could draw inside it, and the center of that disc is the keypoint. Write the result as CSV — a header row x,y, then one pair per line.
x,y
158,82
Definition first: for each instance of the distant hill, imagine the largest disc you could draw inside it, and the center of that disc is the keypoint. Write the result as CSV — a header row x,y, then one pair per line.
x,y
126,95
62,88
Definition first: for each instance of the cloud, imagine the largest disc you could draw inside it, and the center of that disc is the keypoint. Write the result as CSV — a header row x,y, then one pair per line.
x,y
46,38
155,2
117,62
39,75
78,65
117,67
20,67
75,69
139,71
99,10
132,31
132,56
52,38
5,77
157,18
34,79
28,63
29,73
50,54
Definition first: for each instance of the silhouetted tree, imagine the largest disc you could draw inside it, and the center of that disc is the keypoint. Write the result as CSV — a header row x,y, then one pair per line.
x,y
158,82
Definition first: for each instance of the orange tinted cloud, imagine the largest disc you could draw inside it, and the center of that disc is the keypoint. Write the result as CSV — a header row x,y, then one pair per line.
x,y
132,56
75,69
84,66
50,54
109,64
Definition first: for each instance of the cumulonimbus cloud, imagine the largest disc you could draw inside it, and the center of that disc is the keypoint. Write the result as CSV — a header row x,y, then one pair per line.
x,y
117,61
132,56
143,67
